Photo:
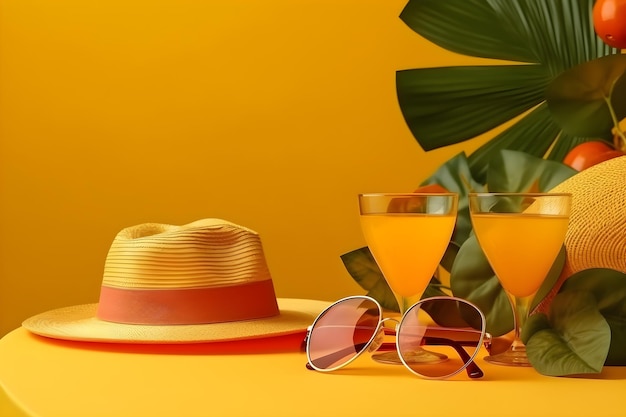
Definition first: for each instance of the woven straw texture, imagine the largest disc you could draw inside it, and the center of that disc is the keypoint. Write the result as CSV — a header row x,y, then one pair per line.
x,y
596,237
205,253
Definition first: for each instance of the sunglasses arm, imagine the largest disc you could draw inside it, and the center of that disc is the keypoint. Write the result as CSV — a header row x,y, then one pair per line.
x,y
473,370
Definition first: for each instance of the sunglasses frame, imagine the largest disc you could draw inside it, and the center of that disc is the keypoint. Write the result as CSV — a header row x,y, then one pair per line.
x,y
470,365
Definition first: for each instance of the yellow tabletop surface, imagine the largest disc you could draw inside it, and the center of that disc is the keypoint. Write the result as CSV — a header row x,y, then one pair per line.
x,y
267,377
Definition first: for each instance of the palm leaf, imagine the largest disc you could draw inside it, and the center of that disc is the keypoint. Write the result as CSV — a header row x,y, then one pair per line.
x,y
559,33
444,106
468,27
533,134
447,105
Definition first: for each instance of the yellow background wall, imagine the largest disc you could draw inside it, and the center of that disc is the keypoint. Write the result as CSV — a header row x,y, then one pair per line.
x,y
271,114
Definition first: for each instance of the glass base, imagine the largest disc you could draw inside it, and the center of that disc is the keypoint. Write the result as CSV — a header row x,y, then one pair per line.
x,y
509,357
416,356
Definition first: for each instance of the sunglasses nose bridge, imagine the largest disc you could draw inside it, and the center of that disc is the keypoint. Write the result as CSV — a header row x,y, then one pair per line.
x,y
386,319
379,338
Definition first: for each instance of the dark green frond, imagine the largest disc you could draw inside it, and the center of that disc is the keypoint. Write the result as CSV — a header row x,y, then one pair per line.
x,y
448,105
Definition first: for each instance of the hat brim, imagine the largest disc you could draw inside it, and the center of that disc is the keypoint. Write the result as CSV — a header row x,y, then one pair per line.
x,y
79,323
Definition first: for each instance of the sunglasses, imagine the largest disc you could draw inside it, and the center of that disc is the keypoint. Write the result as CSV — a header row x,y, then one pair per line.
x,y
428,348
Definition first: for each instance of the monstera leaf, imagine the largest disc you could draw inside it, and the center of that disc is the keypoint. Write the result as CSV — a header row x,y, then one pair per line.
x,y
448,105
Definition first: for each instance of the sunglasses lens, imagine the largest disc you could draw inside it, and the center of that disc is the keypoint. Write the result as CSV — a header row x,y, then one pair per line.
x,y
342,332
440,337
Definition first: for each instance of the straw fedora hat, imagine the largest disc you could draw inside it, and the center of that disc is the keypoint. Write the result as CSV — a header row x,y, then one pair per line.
x,y
205,281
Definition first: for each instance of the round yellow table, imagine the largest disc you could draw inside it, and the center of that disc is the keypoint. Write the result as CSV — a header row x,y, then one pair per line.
x,y
267,377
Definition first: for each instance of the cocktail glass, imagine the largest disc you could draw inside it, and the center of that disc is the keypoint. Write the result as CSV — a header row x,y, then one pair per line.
x,y
407,235
521,235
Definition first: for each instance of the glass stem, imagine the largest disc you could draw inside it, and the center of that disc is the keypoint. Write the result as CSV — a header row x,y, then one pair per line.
x,y
521,308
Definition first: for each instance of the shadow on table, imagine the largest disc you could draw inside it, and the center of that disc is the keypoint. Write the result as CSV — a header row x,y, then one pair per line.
x,y
275,344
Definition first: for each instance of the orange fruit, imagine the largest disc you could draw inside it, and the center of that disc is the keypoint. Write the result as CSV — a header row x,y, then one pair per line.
x,y
609,22
590,153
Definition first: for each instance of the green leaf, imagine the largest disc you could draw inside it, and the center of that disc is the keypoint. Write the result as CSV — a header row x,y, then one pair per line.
x,y
473,279
468,27
578,98
449,256
559,34
434,289
608,286
512,171
361,265
577,340
553,276
440,104
534,324
586,328
533,134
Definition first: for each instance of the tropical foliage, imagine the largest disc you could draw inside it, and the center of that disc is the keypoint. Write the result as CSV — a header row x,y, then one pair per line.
x,y
558,85
537,41
471,277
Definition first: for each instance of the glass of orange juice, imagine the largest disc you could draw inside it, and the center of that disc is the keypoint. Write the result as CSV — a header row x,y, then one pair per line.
x,y
521,235
407,235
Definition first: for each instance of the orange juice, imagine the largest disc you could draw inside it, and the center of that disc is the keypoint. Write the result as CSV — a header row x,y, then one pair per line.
x,y
407,247
520,248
